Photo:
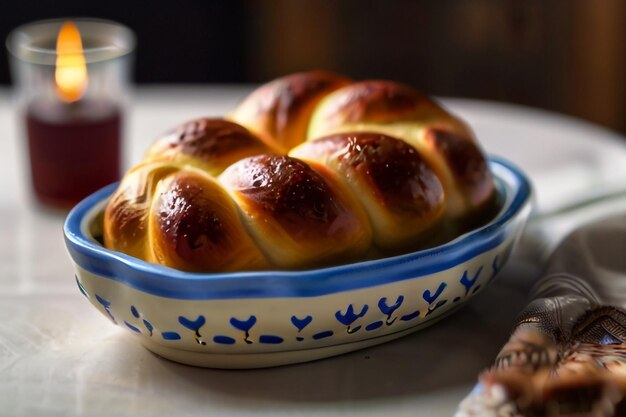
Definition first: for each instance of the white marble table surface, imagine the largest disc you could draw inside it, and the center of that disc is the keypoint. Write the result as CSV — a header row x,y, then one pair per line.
x,y
60,357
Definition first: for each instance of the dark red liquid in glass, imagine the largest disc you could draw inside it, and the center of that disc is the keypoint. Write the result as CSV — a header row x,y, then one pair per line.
x,y
74,150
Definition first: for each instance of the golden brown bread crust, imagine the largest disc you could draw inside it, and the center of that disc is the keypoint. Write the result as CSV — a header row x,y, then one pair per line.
x,y
211,144
296,215
398,189
467,165
378,101
399,111
384,169
279,111
126,215
180,218
196,227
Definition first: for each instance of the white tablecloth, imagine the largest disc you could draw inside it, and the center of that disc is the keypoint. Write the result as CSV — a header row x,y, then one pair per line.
x,y
60,357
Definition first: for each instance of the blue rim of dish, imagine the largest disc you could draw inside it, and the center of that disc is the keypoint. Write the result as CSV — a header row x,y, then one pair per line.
x,y
167,282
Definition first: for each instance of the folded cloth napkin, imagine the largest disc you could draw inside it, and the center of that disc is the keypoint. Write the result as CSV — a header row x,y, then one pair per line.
x,y
567,352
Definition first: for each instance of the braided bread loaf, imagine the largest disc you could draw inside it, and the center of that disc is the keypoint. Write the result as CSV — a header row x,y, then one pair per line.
x,y
325,171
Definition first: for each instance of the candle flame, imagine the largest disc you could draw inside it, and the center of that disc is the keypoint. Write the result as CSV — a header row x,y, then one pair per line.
x,y
71,68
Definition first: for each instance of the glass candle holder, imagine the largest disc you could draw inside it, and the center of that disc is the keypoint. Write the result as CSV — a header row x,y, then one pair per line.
x,y
72,84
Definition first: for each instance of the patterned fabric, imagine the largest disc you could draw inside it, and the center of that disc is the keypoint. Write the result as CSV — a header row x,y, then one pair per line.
x,y
567,353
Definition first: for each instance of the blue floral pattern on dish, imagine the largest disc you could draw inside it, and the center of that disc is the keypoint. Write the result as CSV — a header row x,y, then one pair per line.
x,y
353,316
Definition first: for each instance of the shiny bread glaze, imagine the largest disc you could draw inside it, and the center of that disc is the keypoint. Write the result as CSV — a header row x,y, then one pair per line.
x,y
211,143
397,188
291,193
394,171
467,164
279,111
195,226
126,214
377,101
297,213
399,111
379,169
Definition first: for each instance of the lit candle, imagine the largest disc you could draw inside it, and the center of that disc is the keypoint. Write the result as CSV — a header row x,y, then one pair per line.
x,y
74,121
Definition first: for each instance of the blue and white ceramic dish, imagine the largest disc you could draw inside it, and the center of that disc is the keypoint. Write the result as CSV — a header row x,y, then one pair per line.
x,y
268,318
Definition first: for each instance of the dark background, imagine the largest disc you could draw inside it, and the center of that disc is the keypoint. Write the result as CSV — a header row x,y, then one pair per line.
x,y
568,56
